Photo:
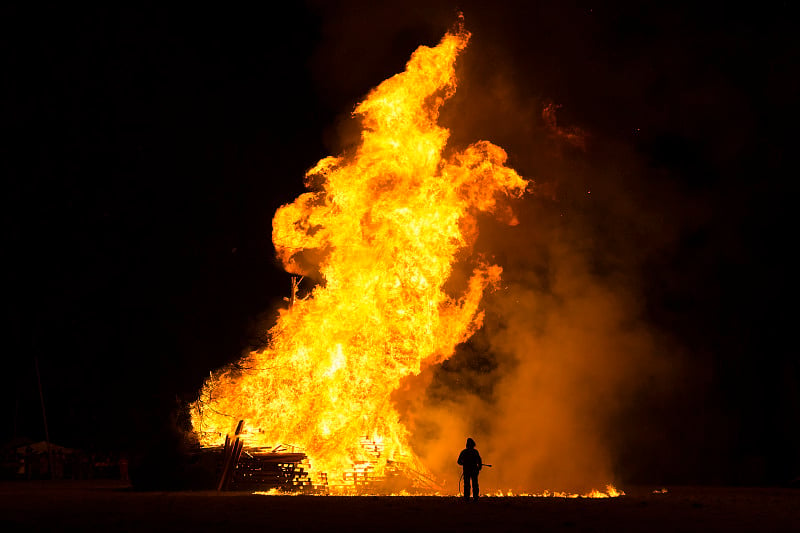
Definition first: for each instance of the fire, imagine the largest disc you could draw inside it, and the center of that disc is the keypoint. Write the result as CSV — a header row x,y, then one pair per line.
x,y
610,492
382,228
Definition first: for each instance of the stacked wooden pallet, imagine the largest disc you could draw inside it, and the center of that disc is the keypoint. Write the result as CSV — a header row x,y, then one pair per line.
x,y
260,469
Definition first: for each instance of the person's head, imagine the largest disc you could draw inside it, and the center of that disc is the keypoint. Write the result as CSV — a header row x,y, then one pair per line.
x,y
470,443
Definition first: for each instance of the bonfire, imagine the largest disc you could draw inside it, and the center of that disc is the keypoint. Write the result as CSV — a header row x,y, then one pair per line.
x,y
380,230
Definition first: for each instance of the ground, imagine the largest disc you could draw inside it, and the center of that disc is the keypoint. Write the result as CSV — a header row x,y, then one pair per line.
x,y
109,506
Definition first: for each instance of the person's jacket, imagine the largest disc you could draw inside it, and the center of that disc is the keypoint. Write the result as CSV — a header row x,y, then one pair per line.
x,y
470,459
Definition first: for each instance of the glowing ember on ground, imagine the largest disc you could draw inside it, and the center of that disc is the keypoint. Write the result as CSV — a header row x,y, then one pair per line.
x,y
610,492
382,228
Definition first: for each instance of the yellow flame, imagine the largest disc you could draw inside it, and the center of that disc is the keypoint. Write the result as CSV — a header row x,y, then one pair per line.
x,y
382,227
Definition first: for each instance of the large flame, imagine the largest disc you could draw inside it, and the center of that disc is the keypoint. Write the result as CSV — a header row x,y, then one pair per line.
x,y
382,227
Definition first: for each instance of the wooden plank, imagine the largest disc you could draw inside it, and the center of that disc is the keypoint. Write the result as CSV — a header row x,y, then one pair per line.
x,y
233,450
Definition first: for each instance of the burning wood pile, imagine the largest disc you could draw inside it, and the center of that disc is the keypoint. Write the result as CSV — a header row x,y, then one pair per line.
x,y
380,229
285,470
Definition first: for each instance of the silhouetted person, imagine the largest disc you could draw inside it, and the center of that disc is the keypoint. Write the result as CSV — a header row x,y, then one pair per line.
x,y
472,463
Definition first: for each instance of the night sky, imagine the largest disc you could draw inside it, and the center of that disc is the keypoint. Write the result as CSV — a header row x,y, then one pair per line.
x,y
147,150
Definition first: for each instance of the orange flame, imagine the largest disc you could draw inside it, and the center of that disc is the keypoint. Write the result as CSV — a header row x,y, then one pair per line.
x,y
383,228
610,492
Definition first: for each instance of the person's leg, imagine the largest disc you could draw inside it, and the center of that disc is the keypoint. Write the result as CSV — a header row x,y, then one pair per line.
x,y
466,485
475,486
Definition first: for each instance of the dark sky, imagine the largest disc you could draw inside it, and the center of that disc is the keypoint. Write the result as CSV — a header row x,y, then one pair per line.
x,y
148,148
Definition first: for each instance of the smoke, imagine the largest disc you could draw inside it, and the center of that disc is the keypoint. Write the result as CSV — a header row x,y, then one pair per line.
x,y
560,355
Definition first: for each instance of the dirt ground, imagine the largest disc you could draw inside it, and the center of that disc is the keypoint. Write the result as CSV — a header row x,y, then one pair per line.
x,y
109,506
